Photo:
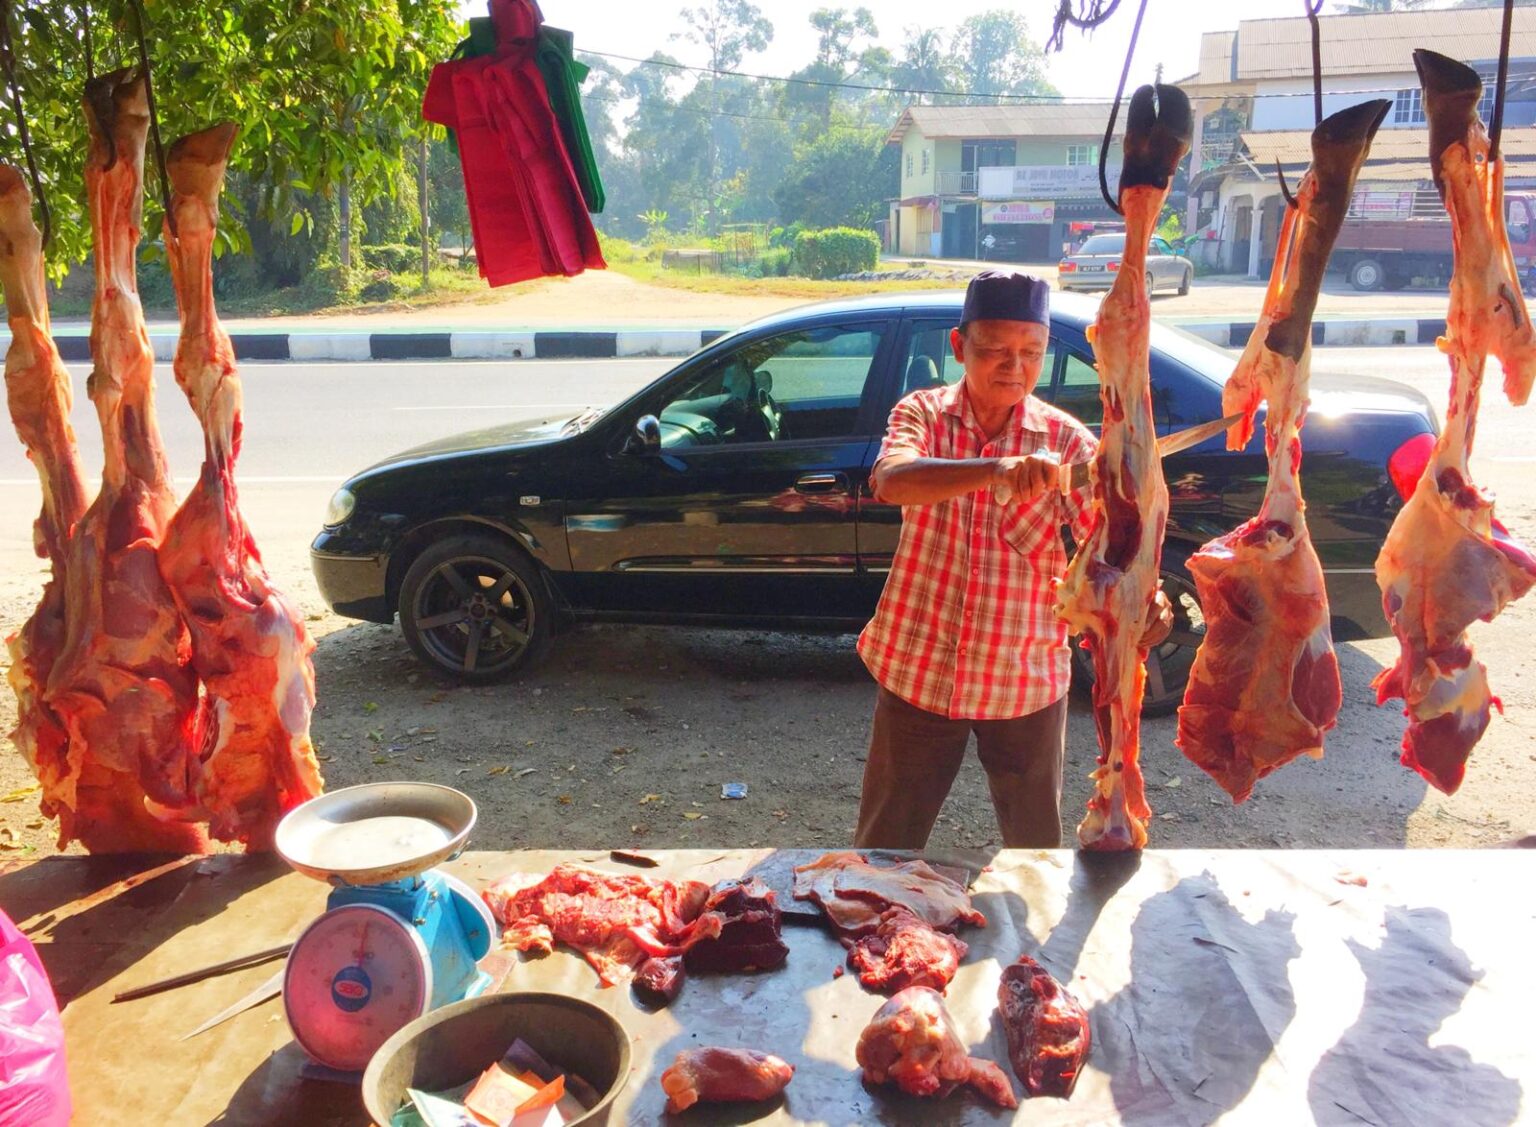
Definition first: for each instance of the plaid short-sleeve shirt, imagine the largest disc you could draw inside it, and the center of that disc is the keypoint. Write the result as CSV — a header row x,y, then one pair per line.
x,y
966,626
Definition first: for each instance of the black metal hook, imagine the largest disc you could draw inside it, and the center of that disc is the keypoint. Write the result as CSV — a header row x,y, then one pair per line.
x,y
1317,59
1114,112
8,58
154,117
1496,127
1290,200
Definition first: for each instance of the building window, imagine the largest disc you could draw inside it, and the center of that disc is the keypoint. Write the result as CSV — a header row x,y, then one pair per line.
x,y
1408,107
925,162
1485,103
1081,154
909,164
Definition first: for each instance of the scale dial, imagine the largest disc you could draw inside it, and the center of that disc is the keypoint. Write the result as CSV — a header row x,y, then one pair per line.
x,y
354,977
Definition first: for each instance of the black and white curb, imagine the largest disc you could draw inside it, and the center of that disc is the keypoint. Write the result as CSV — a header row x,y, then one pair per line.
x,y
578,345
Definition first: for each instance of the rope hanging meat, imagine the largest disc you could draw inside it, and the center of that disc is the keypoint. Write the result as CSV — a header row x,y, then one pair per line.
x,y
1496,126
154,117
1114,110
8,58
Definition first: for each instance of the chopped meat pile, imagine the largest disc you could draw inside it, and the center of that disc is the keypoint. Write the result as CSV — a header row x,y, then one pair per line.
x,y
1265,684
1446,562
713,1075
905,951
911,1042
249,645
1109,593
751,929
615,921
1048,1032
854,893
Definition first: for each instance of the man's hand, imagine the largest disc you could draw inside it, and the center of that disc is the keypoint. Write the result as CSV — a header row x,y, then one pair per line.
x,y
1159,621
1024,479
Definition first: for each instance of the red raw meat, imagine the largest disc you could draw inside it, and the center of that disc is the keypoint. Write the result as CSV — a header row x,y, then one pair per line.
x,y
1445,563
911,1042
854,894
750,931
1109,593
1265,684
249,645
615,921
660,979
714,1075
904,951
1048,1032
122,683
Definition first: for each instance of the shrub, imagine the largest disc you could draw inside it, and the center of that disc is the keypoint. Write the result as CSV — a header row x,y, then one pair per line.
x,y
396,258
381,286
774,263
835,250
329,283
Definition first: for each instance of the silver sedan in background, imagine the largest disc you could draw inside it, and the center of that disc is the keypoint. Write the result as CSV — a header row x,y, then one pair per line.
x,y
1097,261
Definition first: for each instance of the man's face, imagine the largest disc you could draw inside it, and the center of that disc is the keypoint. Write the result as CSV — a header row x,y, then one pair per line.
x,y
1002,360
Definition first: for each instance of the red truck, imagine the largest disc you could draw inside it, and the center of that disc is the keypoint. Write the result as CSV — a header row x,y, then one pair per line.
x,y
1392,238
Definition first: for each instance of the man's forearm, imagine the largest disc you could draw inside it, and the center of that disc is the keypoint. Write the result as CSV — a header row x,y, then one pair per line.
x,y
927,481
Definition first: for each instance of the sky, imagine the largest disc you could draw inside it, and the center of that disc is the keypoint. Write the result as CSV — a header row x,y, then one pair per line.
x,y
1088,67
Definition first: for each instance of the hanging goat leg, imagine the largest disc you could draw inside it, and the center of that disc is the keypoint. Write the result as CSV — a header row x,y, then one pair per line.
x,y
249,645
121,684
1109,590
1265,684
1445,563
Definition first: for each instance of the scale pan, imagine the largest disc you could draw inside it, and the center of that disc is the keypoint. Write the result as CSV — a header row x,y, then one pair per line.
x,y
375,833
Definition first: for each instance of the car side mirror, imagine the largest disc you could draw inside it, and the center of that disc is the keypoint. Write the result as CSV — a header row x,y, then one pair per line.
x,y
646,437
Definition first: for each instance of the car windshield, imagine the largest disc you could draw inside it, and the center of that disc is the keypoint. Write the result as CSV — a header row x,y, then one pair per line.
x,y
1104,244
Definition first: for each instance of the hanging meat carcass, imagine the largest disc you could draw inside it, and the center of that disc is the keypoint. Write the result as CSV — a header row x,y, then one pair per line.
x,y
249,645
122,685
39,397
1109,591
1265,684
1445,563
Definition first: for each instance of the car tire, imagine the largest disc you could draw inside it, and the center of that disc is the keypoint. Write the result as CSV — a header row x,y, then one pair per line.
x,y
1367,274
476,609
1169,664
1150,283
1184,283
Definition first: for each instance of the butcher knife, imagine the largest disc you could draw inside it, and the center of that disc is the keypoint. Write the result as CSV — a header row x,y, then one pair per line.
x,y
271,988
1168,444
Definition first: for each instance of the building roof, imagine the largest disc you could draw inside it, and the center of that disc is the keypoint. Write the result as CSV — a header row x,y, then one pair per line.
x,y
1368,43
1396,154
1044,119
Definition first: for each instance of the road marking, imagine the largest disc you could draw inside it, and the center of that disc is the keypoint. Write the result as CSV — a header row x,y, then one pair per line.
x,y
497,407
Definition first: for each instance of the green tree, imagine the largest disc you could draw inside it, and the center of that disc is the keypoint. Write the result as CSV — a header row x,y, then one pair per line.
x,y
923,65
994,53
842,178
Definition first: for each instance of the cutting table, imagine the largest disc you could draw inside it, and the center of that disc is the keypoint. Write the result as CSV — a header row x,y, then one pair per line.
x,y
1255,987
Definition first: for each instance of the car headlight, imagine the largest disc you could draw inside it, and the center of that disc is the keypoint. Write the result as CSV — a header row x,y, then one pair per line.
x,y
339,508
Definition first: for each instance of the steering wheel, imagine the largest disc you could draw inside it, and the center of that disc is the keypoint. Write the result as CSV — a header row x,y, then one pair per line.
x,y
767,406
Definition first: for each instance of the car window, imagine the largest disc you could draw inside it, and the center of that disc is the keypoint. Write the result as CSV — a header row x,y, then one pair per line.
x,y
1104,244
930,362
1161,247
1519,221
1078,394
801,385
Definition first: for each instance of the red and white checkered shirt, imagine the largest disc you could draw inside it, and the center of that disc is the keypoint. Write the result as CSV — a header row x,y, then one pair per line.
x,y
966,626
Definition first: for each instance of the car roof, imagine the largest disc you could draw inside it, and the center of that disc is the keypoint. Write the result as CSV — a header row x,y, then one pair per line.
x,y
1075,310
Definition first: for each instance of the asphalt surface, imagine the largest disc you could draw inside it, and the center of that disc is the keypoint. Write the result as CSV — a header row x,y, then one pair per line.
x,y
626,734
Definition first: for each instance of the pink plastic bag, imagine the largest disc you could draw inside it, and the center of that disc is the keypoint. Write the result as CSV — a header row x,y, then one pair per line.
x,y
34,1088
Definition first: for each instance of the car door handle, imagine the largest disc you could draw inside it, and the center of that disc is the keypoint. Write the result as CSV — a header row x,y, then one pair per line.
x,y
822,483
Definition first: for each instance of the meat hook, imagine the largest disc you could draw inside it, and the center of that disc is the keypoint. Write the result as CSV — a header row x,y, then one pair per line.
x,y
154,117
1496,126
1114,111
8,57
1290,200
1317,63
84,9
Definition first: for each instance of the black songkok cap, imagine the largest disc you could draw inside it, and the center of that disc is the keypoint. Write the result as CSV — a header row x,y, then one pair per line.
x,y
1005,295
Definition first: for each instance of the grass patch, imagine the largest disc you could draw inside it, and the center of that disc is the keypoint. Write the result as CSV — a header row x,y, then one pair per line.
x,y
810,288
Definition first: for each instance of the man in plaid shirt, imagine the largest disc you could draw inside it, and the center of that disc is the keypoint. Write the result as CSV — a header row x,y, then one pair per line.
x,y
965,638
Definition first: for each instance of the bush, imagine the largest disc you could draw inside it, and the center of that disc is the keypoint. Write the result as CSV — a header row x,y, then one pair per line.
x,y
381,286
835,250
329,283
396,258
774,263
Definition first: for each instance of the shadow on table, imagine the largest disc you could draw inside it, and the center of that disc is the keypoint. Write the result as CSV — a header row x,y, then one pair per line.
x,y
1208,999
313,1103
1383,1069
1096,878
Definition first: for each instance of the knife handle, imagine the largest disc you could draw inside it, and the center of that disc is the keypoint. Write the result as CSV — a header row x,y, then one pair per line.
x,y
1002,492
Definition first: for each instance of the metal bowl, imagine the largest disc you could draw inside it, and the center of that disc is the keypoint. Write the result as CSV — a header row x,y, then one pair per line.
x,y
376,832
447,1047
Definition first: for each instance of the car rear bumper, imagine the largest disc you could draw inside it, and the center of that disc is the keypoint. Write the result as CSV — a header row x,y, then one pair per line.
x,y
1354,600
1086,281
353,586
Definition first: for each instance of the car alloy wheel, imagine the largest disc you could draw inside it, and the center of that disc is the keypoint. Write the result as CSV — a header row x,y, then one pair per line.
x,y
1184,283
1168,665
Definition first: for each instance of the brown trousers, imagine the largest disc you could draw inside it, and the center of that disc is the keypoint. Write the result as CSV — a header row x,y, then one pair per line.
x,y
914,756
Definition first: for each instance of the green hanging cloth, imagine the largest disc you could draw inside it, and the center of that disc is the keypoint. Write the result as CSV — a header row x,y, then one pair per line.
x,y
563,77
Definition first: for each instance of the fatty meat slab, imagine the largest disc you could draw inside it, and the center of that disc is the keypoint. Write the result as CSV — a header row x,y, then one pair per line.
x,y
905,951
715,1075
1109,591
911,1042
122,684
249,645
1446,562
854,893
1049,1037
1265,685
39,397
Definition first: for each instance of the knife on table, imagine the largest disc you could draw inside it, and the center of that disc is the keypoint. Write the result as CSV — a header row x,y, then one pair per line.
x,y
1168,444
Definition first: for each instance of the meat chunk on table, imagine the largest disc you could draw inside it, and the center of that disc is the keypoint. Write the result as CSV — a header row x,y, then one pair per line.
x,y
716,1075
911,1042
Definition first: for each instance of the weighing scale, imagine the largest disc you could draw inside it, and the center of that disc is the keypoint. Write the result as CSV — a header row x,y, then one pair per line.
x,y
397,939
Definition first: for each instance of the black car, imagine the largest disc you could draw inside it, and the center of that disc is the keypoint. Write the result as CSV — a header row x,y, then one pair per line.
x,y
733,491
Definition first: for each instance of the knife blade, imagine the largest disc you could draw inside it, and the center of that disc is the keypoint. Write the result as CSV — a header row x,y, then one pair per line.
x,y
271,988
1169,444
